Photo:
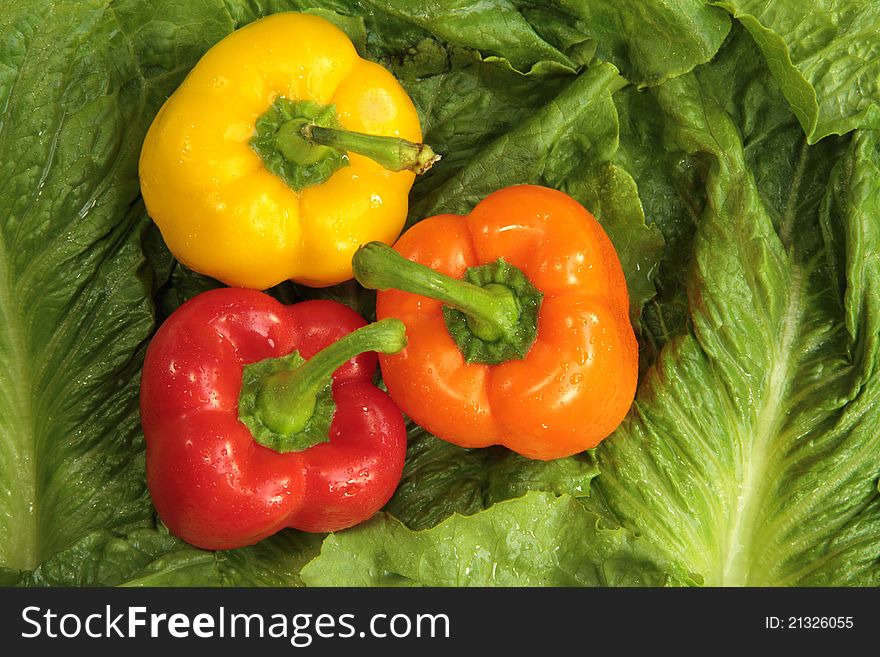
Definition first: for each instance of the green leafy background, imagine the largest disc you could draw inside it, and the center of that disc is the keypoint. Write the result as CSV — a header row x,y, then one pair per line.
x,y
732,152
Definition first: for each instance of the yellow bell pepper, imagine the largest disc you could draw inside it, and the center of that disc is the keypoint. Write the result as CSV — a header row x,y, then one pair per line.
x,y
264,164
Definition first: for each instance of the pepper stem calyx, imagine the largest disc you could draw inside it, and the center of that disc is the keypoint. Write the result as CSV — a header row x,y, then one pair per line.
x,y
303,143
492,314
287,402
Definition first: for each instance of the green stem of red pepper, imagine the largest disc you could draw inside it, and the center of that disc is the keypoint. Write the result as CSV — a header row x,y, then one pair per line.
x,y
286,400
497,307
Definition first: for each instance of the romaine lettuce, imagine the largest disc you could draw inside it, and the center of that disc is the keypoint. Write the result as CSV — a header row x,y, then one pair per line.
x,y
732,151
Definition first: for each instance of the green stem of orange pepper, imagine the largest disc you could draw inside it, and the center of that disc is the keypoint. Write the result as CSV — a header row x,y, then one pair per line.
x,y
492,311
492,315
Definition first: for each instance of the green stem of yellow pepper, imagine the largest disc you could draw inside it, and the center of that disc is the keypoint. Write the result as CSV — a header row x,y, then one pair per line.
x,y
304,143
393,153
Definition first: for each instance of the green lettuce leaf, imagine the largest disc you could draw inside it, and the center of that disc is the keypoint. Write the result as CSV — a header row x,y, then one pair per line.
x,y
73,288
466,102
751,454
824,55
103,558
671,189
577,128
153,557
393,26
536,540
275,561
635,35
440,479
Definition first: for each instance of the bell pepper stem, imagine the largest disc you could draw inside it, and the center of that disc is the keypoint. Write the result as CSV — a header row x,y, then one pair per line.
x,y
286,400
492,311
393,153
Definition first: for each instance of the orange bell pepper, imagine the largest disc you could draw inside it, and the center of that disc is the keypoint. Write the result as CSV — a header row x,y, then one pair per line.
x,y
533,349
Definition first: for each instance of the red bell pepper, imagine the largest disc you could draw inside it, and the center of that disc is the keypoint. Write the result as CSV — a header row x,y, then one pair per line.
x,y
245,438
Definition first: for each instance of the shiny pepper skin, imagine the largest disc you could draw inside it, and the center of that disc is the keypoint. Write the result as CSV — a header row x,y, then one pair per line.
x,y
211,483
578,379
220,211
